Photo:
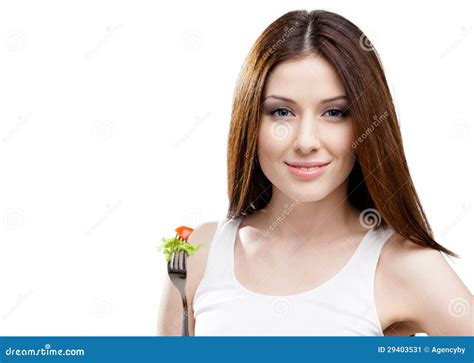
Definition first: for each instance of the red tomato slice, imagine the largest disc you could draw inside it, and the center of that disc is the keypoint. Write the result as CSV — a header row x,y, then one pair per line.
x,y
184,232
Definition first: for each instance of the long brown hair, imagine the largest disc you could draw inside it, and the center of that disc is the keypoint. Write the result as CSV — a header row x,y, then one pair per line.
x,y
380,178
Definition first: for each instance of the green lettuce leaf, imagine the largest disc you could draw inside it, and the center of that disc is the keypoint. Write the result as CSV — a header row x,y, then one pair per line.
x,y
174,244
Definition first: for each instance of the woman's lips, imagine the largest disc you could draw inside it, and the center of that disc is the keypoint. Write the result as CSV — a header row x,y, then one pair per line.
x,y
307,173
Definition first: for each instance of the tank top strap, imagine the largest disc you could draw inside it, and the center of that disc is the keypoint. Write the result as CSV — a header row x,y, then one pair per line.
x,y
356,286
364,262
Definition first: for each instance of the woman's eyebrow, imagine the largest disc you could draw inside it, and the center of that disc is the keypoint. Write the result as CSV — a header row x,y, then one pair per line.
x,y
294,102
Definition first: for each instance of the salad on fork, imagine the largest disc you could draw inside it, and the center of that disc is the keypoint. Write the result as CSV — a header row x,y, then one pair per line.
x,y
176,250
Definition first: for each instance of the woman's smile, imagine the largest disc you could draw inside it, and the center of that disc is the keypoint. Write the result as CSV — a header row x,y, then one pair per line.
x,y
307,173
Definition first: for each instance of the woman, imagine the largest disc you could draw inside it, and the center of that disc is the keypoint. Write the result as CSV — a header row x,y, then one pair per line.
x,y
325,234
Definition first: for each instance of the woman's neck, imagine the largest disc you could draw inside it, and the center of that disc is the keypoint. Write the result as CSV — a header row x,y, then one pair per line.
x,y
313,221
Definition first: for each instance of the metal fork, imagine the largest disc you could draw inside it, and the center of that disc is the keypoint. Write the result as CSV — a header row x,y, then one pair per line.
x,y
177,274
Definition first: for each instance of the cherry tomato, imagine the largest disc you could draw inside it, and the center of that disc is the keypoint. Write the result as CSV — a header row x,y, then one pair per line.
x,y
184,232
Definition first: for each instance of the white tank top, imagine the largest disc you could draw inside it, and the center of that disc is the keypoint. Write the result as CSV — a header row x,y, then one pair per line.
x,y
342,306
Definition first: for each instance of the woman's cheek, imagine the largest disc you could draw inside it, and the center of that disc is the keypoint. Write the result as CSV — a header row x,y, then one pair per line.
x,y
339,142
271,150
274,138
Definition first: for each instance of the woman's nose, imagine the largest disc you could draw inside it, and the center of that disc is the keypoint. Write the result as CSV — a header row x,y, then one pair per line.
x,y
307,136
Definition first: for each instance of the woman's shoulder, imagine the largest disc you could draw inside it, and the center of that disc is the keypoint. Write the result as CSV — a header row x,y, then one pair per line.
x,y
203,235
422,281
203,231
405,259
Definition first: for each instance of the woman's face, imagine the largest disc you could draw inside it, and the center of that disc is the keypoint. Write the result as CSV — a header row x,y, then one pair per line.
x,y
309,124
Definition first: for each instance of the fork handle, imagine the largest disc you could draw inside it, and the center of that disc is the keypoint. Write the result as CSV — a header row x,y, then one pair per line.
x,y
185,331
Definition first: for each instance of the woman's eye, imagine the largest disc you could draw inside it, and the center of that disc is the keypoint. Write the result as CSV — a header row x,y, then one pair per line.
x,y
285,113
335,113
281,112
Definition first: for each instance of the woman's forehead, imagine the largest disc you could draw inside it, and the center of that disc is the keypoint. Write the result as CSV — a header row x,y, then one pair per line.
x,y
304,79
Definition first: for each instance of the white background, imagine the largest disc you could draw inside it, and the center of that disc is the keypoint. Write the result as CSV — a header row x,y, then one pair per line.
x,y
114,121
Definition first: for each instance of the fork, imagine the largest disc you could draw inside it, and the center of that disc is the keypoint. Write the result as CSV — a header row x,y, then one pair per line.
x,y
177,274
